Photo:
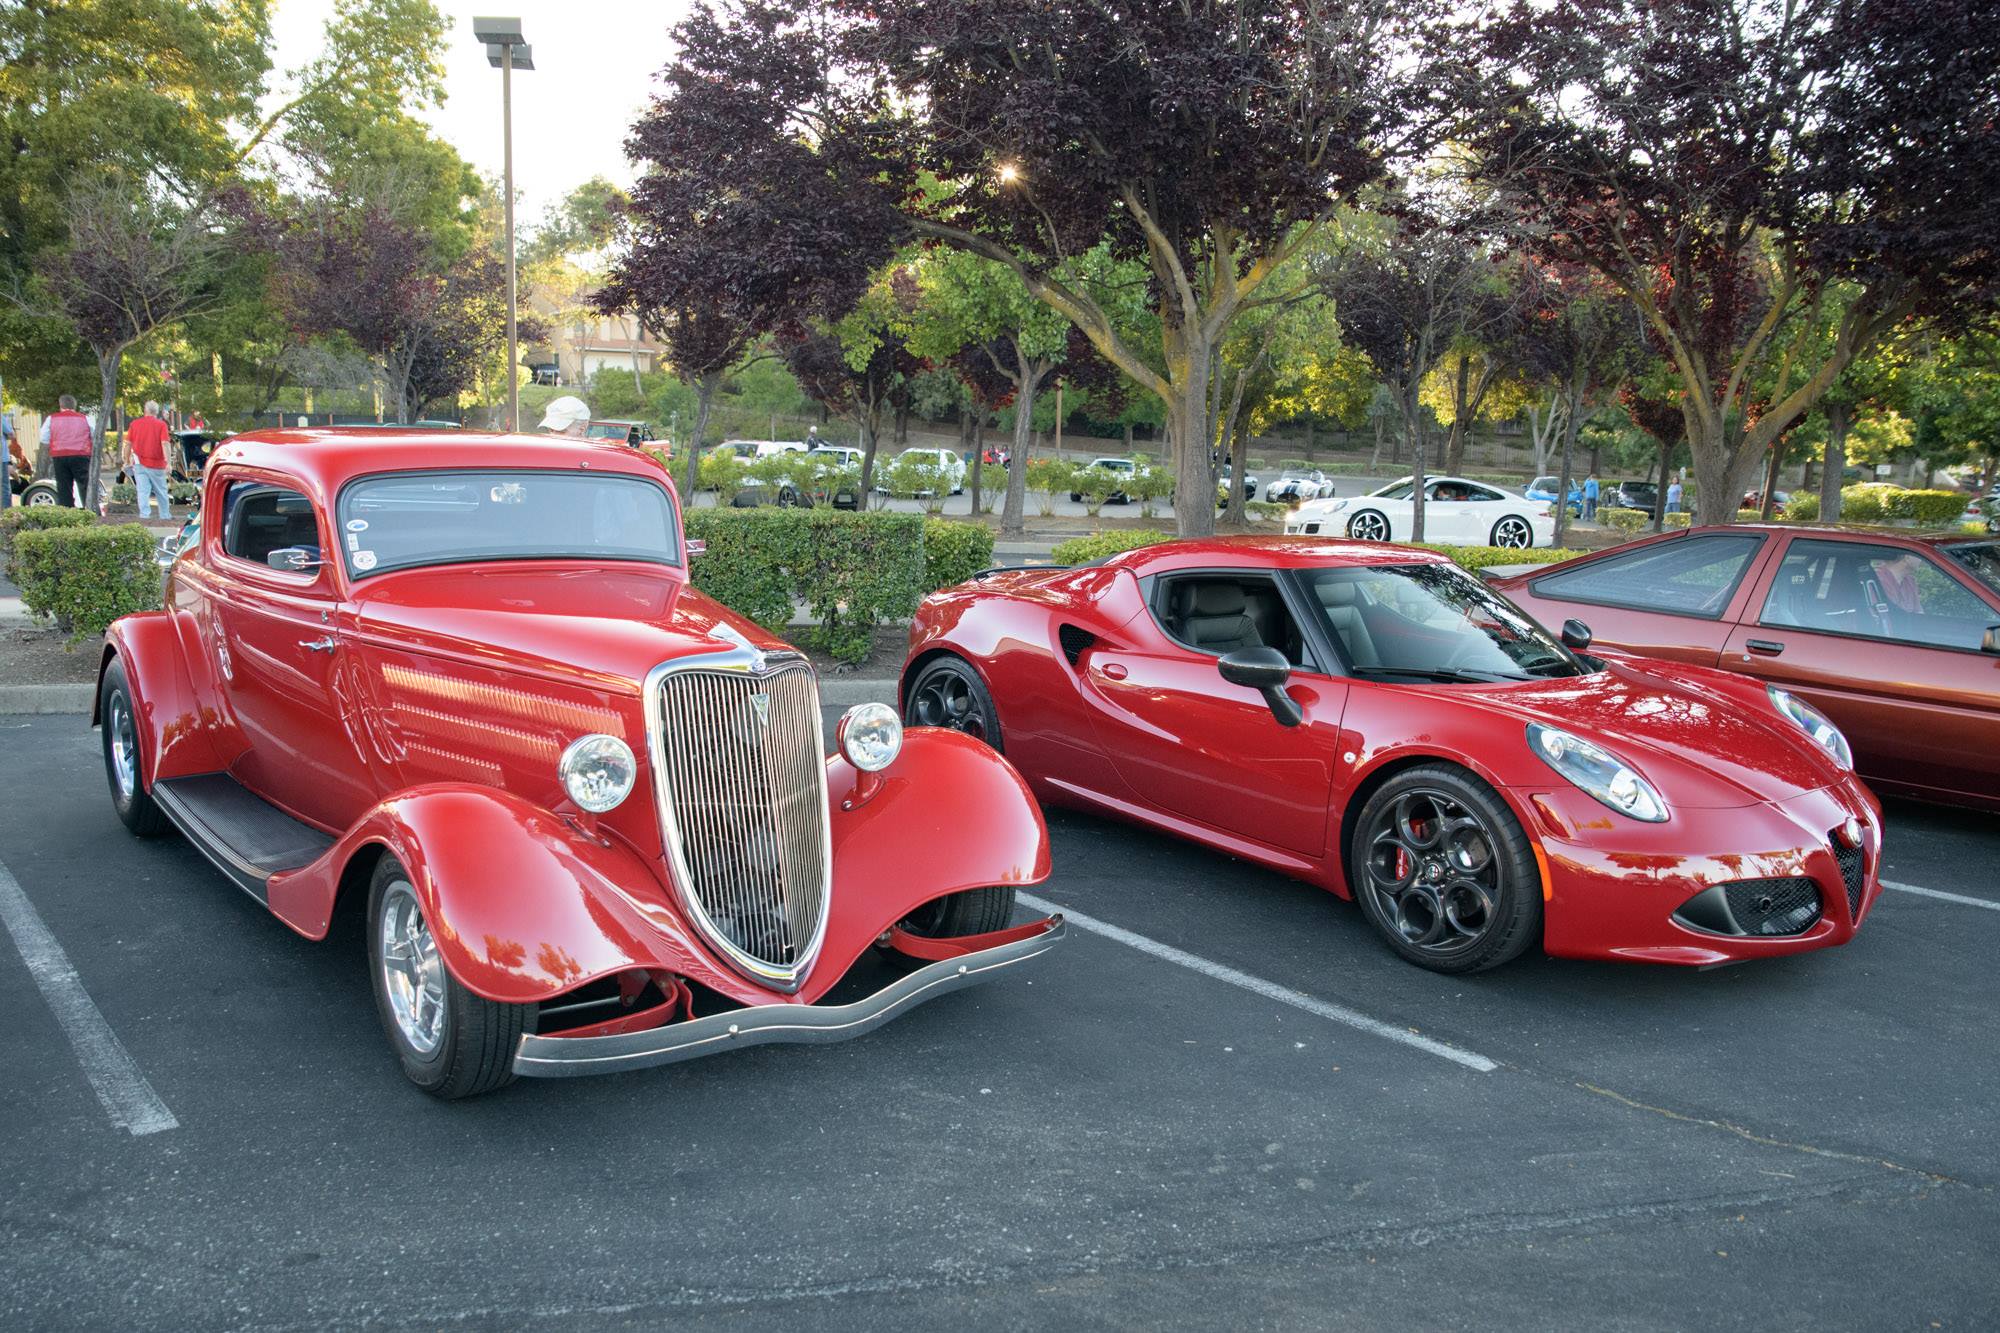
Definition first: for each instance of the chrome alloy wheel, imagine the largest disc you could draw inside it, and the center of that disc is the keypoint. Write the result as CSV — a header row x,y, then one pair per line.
x,y
1513,532
124,747
1368,526
412,971
1432,871
945,699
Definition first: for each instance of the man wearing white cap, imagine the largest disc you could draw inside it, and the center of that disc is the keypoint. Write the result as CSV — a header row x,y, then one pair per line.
x,y
566,416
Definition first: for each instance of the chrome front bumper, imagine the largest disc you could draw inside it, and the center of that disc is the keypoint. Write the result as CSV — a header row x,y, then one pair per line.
x,y
574,1057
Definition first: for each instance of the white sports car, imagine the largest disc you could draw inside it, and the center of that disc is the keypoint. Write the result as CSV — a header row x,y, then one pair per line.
x,y
1296,485
1456,511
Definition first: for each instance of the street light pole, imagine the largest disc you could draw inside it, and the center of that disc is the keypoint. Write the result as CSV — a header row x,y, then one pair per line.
x,y
508,50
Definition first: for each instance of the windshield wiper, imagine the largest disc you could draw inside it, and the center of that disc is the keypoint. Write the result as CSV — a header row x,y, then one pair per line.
x,y
1461,674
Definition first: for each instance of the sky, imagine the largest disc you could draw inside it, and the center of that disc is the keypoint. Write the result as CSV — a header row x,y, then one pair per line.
x,y
595,62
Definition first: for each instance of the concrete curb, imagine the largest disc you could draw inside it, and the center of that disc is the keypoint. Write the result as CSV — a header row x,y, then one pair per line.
x,y
75,698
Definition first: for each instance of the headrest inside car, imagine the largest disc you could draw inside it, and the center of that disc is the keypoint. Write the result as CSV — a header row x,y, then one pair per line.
x,y
1338,593
1217,599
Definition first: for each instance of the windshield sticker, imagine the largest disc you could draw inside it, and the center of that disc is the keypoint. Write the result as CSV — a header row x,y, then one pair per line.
x,y
357,525
364,560
353,542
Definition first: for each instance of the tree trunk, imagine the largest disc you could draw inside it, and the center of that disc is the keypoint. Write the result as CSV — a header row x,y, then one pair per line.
x,y
1572,423
1660,491
1312,437
1461,389
108,363
1381,430
870,423
1128,438
704,398
1239,469
1834,471
1771,479
1013,514
1413,430
902,420
1188,361
968,449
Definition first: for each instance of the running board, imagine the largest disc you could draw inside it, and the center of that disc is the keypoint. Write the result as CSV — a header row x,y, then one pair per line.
x,y
247,837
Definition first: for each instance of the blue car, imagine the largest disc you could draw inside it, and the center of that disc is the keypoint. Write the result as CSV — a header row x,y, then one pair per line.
x,y
1544,488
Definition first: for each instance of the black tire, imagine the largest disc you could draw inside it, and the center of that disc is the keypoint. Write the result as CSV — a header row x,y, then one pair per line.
x,y
1365,519
1076,497
473,1048
973,912
1512,526
948,693
124,756
40,494
1435,909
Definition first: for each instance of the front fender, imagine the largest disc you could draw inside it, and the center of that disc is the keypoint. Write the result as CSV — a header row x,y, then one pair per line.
x,y
174,738
949,815
522,905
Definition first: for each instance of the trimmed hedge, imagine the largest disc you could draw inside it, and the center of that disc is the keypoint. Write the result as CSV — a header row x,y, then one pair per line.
x,y
178,492
1624,520
954,551
1082,550
852,570
38,518
1879,502
86,577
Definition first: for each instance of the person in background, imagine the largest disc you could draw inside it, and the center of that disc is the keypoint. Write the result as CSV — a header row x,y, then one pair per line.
x,y
1674,496
66,433
566,415
196,422
146,457
1590,489
1897,577
10,449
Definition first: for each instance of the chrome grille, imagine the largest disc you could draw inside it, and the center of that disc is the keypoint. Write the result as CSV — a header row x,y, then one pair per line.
x,y
743,809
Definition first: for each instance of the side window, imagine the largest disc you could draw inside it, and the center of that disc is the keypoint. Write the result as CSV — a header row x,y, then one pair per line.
x,y
259,519
1876,592
1220,613
1481,493
1691,576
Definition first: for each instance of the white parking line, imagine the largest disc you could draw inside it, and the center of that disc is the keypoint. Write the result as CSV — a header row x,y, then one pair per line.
x,y
128,1098
1958,898
1270,990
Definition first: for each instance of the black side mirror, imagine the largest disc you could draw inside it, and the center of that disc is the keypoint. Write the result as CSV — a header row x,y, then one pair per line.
x,y
1266,671
1575,635
1990,641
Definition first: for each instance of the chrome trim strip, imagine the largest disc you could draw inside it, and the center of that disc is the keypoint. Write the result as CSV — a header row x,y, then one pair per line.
x,y
752,662
574,1057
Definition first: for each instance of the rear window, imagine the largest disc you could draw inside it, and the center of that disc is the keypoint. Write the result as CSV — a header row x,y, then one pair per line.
x,y
1980,559
1687,576
397,520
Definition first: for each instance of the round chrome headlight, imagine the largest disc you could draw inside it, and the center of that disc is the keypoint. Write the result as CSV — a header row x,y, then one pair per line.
x,y
598,772
870,736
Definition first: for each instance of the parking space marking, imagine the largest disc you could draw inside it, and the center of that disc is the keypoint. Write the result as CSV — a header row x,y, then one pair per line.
x,y
1270,990
1941,896
127,1097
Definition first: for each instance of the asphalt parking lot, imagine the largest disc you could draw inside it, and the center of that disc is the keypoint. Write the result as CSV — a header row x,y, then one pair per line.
x,y
1127,1137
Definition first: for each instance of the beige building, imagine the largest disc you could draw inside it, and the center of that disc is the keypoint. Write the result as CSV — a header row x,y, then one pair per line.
x,y
582,342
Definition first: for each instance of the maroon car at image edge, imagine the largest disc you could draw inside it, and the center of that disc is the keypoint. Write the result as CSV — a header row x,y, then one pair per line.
x,y
1894,635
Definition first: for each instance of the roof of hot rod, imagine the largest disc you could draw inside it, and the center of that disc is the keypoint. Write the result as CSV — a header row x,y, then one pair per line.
x,y
326,458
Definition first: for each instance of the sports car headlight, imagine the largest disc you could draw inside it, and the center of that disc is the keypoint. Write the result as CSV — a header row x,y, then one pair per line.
x,y
1814,724
1599,772
870,736
598,772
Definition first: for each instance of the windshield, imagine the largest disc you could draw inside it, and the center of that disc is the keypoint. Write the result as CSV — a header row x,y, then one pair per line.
x,y
397,520
1542,484
1395,491
1981,559
1432,622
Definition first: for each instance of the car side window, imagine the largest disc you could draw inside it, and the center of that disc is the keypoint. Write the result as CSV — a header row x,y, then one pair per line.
x,y
1218,613
1481,493
259,518
1876,592
1688,576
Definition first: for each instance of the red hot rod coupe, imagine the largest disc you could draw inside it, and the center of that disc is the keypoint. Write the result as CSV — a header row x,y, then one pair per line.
x,y
461,686
1374,720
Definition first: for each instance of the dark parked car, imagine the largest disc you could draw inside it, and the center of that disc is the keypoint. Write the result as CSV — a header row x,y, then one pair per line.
x,y
1895,636
1636,495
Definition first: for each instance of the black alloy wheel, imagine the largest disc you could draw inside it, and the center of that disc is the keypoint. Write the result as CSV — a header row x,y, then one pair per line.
x,y
1444,871
1368,526
948,693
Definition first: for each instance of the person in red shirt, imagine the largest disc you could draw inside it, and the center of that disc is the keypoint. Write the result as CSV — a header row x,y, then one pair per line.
x,y
66,432
146,457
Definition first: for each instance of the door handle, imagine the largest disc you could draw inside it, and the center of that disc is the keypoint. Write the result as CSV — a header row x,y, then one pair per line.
x,y
1114,671
1767,647
326,645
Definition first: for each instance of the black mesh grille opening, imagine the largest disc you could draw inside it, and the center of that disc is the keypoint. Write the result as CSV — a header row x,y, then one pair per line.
x,y
1773,906
1074,641
1853,862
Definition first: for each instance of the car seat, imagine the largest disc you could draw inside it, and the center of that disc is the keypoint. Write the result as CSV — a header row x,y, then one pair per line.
x,y
1213,617
1341,600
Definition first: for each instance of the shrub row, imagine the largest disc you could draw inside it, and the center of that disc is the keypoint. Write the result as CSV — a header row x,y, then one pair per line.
x,y
1877,502
86,576
38,518
852,570
1638,520
1082,550
178,492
